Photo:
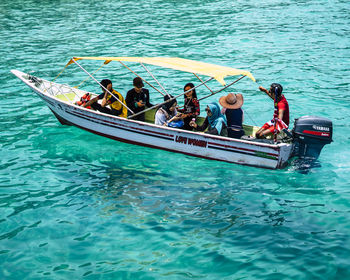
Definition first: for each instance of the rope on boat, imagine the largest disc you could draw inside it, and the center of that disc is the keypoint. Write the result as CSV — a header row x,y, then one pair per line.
x,y
60,73
52,86
60,90
246,113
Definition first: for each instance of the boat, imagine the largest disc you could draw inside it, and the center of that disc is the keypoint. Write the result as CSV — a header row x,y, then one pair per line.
x,y
305,140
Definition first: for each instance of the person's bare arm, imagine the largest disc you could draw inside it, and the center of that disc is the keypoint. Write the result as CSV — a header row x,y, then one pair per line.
x,y
280,114
91,101
266,91
104,100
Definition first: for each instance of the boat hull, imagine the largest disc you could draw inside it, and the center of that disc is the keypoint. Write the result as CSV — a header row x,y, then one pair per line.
x,y
171,139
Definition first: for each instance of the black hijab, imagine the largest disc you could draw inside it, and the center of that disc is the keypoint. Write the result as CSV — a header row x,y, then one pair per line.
x,y
168,105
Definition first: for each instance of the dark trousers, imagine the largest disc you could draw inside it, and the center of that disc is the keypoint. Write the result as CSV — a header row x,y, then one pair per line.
x,y
234,133
98,107
140,117
187,123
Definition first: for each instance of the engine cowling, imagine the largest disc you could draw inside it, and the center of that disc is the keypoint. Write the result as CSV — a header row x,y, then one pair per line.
x,y
310,134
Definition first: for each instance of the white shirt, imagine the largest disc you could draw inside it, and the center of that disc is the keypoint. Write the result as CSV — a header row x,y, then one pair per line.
x,y
162,116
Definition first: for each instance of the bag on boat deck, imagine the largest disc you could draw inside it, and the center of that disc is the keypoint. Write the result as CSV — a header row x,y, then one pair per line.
x,y
176,124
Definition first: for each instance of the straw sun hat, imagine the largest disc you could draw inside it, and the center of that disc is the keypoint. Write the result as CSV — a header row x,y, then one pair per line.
x,y
231,101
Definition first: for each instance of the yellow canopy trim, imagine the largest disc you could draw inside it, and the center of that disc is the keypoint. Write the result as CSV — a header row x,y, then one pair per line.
x,y
185,65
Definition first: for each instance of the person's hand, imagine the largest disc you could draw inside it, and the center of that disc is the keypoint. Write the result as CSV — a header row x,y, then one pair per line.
x,y
140,104
193,124
263,89
104,102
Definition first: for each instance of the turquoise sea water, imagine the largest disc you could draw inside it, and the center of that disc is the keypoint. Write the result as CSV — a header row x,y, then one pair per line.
x,y
74,205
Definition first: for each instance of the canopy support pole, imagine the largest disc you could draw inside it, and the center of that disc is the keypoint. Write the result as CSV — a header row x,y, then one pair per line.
x,y
102,86
154,78
141,78
245,112
203,82
160,104
222,88
88,77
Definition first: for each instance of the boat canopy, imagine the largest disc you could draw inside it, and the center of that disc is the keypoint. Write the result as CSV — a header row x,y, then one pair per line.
x,y
211,70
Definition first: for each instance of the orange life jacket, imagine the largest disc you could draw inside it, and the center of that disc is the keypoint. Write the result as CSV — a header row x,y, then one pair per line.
x,y
84,99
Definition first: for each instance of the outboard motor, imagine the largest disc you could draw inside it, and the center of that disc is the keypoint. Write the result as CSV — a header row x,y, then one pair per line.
x,y
310,134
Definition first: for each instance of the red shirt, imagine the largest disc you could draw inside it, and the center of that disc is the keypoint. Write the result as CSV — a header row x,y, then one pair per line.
x,y
283,105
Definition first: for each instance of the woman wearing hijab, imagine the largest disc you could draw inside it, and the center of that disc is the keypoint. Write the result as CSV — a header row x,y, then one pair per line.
x,y
215,121
232,104
166,112
191,106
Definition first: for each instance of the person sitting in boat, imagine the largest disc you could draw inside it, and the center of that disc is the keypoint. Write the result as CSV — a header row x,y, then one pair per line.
x,y
191,106
282,120
232,104
138,98
215,122
116,108
167,113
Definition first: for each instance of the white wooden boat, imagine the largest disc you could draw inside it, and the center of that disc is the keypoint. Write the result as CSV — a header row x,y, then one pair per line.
x,y
61,100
